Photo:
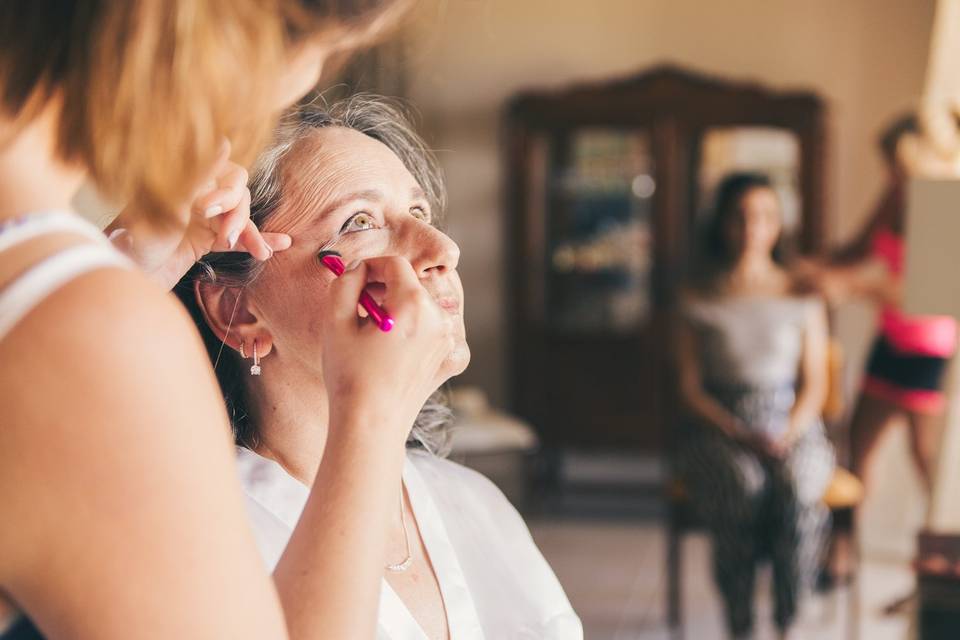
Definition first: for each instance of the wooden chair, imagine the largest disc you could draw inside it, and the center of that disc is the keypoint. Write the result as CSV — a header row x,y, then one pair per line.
x,y
843,496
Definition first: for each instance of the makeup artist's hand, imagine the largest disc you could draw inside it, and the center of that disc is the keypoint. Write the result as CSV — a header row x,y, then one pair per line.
x,y
385,377
218,219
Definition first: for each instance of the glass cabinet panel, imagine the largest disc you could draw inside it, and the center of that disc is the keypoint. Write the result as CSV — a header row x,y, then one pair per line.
x,y
599,231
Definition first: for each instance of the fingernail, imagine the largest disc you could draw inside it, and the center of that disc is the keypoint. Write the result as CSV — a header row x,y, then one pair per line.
x,y
121,238
233,237
214,210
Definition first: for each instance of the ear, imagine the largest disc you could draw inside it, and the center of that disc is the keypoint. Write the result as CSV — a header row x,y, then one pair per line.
x,y
228,314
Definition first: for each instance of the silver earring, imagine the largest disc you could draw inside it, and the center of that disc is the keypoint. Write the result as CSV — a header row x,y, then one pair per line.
x,y
243,351
255,369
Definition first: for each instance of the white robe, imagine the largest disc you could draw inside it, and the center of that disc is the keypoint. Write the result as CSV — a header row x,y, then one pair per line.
x,y
494,582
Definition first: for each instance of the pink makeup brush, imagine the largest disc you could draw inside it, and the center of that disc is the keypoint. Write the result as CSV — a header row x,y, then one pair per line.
x,y
331,260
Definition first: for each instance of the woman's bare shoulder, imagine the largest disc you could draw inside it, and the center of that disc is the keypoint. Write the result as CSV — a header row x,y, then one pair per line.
x,y
105,357
114,432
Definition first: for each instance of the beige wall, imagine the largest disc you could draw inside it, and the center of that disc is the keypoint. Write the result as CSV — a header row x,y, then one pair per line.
x,y
865,57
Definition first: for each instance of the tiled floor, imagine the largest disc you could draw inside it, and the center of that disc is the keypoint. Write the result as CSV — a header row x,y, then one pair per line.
x,y
613,573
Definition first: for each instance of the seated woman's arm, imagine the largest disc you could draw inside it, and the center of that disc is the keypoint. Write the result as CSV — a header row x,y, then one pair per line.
x,y
697,401
812,389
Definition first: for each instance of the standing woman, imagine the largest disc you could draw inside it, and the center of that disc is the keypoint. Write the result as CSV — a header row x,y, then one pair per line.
x,y
752,362
120,511
904,376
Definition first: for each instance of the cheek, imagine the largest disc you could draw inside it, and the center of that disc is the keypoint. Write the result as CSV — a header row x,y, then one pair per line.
x,y
769,232
291,304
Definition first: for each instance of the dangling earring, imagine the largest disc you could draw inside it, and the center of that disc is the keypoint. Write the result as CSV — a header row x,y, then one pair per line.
x,y
255,369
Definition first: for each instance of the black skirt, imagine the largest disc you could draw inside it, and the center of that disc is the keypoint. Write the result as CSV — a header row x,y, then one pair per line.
x,y
22,629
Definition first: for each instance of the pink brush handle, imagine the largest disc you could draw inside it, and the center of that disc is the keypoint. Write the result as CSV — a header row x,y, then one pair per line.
x,y
377,313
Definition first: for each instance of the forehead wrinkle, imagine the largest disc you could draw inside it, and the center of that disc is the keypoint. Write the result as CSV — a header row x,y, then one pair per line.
x,y
311,176
320,168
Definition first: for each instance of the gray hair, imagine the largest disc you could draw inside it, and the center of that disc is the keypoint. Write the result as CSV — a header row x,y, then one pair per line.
x,y
379,118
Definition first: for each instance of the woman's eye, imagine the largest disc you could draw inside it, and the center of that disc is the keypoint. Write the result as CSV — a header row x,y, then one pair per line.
x,y
359,222
420,213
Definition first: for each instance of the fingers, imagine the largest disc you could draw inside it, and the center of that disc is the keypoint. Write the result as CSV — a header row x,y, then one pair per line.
x,y
217,167
277,241
403,288
405,299
229,190
233,222
252,241
345,293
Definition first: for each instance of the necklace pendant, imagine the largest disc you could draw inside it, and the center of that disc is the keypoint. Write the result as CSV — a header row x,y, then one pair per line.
x,y
403,566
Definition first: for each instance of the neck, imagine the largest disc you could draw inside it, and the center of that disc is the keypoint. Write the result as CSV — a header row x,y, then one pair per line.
x,y
292,415
291,411
291,423
32,177
752,265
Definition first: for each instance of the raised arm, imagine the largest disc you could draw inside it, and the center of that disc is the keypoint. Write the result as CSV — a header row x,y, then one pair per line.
x,y
329,574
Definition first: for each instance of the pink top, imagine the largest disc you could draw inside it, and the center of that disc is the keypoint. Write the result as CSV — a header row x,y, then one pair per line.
x,y
922,335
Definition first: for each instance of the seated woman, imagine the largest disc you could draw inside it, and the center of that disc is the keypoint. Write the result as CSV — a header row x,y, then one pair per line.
x,y
752,361
356,179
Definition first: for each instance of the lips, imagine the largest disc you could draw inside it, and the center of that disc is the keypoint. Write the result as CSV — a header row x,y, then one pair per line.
x,y
450,304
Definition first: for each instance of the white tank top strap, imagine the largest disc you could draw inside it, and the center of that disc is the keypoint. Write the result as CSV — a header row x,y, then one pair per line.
x,y
30,288
19,230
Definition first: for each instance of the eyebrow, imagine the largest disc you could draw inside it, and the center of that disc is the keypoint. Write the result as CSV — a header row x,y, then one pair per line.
x,y
418,193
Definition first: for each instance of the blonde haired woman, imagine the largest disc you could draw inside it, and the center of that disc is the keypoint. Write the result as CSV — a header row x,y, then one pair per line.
x,y
121,515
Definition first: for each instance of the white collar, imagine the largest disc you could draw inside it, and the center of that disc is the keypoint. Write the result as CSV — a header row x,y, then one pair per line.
x,y
267,483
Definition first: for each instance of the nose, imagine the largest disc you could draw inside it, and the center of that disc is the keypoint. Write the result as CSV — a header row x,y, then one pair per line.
x,y
430,251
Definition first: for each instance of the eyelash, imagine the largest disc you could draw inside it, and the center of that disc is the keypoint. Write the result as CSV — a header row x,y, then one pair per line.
x,y
346,225
418,212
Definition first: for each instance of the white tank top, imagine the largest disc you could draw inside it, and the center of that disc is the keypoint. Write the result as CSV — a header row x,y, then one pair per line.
x,y
22,294
26,291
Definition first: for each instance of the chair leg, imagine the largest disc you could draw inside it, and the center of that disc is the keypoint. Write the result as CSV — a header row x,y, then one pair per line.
x,y
674,577
853,607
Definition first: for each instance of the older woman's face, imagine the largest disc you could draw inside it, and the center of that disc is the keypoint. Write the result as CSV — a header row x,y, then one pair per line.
x,y
348,192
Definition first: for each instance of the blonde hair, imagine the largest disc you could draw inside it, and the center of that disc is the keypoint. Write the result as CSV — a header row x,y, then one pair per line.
x,y
148,89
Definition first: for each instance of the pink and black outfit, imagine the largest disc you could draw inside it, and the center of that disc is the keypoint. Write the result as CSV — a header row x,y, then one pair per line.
x,y
910,353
